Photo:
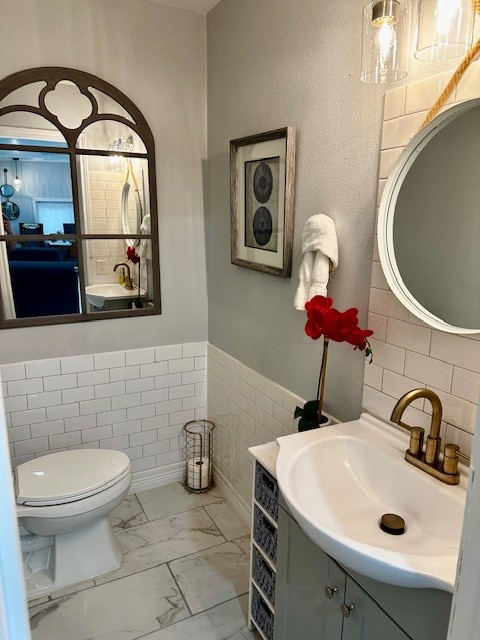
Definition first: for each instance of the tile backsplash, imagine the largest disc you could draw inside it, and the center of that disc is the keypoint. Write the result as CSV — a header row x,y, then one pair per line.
x,y
248,409
135,401
407,352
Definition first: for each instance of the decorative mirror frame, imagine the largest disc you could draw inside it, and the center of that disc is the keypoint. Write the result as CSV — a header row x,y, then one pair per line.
x,y
85,82
387,214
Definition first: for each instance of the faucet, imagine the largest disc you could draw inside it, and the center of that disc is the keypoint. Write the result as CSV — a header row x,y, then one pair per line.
x,y
445,469
128,278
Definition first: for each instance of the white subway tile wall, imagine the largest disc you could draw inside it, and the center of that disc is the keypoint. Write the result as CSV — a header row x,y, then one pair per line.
x,y
248,409
408,353
125,400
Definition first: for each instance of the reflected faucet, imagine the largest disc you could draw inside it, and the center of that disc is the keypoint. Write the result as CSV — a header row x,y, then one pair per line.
x,y
128,278
429,461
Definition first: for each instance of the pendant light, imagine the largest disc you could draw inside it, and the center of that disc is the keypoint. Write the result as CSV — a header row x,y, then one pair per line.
x,y
116,162
445,29
385,40
17,183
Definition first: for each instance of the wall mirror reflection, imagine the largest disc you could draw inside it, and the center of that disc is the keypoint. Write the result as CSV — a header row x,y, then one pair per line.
x,y
78,230
429,222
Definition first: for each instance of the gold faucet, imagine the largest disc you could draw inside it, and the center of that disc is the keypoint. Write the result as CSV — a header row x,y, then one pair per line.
x,y
128,278
429,461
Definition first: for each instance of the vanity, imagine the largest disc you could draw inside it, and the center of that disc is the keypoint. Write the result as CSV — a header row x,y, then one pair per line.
x,y
326,569
318,598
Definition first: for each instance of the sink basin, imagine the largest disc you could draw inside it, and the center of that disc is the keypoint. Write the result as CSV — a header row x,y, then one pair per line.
x,y
102,295
338,481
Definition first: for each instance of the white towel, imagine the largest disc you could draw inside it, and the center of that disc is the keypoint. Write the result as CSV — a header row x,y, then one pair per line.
x,y
319,246
145,247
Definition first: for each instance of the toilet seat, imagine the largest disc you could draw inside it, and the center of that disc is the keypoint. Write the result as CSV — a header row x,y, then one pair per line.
x,y
69,476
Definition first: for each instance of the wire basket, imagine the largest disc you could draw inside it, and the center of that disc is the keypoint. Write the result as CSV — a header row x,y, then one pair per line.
x,y
199,450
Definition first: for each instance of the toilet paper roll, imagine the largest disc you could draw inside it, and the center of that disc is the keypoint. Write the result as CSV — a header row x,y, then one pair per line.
x,y
198,473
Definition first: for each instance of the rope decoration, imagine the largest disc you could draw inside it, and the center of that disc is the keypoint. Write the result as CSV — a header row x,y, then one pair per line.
x,y
457,76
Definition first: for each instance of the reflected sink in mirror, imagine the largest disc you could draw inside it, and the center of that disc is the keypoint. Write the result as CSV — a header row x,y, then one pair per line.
x,y
112,296
338,481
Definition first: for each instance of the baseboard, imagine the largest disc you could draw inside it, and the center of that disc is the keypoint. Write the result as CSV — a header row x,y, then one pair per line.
x,y
159,477
243,509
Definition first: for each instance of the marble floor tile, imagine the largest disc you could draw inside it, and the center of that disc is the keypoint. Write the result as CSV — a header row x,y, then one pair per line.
x,y
174,498
125,609
212,576
244,543
227,621
227,520
154,543
73,589
128,514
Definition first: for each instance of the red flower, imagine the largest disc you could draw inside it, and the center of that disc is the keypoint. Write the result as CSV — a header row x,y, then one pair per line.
x,y
317,311
359,338
324,320
132,255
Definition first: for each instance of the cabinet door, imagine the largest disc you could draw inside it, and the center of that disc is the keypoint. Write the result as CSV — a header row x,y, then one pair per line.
x,y
302,609
367,621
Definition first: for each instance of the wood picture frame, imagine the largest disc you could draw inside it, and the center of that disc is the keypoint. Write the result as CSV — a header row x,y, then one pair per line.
x,y
262,179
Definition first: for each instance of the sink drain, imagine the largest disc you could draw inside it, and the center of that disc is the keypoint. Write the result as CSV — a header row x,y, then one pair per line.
x,y
392,524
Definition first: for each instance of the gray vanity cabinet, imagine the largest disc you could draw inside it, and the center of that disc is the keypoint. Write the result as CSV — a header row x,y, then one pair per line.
x,y
314,598
303,610
366,621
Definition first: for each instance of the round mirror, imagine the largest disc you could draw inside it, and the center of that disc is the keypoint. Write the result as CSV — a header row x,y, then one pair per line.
x,y
429,222
131,213
7,190
10,209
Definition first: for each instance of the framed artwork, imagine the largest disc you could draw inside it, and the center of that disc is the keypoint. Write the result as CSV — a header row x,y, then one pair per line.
x,y
262,175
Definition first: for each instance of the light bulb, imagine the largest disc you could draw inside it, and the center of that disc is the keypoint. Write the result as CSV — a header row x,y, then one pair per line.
x,y
17,183
446,13
385,41
445,29
386,45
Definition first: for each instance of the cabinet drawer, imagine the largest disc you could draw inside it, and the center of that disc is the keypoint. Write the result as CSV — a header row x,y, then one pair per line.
x,y
264,575
266,491
265,534
262,615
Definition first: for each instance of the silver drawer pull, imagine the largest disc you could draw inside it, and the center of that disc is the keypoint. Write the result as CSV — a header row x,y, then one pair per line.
x,y
346,609
330,592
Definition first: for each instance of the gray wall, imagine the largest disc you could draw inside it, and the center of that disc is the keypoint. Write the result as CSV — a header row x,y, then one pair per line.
x,y
157,56
273,63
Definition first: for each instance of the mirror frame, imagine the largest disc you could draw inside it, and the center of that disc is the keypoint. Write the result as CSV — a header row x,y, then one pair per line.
x,y
84,81
386,217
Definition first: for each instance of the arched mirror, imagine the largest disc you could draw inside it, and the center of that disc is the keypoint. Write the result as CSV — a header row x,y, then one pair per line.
x,y
78,231
429,222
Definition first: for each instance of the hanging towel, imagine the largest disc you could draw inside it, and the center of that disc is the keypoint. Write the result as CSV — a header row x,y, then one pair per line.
x,y
319,247
145,247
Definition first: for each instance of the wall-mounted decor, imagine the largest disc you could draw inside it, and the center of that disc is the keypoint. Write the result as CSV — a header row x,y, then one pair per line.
x,y
262,175
78,217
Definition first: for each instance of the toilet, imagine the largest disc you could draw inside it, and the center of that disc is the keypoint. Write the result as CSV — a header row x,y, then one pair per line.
x,y
63,505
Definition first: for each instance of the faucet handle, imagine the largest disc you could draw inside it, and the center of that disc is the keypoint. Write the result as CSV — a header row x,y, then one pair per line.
x,y
416,441
450,459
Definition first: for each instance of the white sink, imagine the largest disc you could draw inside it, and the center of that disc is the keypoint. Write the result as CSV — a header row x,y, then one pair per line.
x,y
338,481
101,294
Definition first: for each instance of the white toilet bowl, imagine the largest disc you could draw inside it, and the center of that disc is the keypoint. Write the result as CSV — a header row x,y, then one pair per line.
x,y
63,503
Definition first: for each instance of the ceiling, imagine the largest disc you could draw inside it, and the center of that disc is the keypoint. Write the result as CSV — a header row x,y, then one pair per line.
x,y
200,6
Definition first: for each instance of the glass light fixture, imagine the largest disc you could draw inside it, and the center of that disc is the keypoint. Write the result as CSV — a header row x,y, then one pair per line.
x,y
17,183
117,163
445,29
385,40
